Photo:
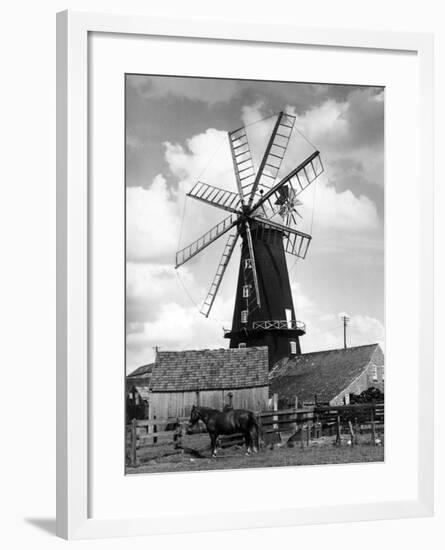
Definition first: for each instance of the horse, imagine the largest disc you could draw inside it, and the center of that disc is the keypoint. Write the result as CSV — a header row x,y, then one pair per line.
x,y
226,423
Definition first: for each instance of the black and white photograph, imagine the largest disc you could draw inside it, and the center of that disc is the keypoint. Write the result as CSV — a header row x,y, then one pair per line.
x,y
254,274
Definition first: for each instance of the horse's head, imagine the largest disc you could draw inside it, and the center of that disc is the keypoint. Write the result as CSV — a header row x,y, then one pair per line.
x,y
194,417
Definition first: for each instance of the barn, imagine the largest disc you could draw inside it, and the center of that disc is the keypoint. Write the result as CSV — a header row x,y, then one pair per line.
x,y
331,375
137,386
140,377
209,377
137,402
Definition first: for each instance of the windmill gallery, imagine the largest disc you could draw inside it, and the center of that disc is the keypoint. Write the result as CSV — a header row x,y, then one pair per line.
x,y
263,368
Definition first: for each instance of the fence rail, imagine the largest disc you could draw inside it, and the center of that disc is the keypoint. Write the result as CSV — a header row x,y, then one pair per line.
x,y
308,422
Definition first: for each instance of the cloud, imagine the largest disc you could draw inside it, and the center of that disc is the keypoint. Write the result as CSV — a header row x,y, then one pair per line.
x,y
325,331
152,223
327,123
205,157
195,89
304,306
343,210
159,310
159,313
364,329
175,328
348,132
149,285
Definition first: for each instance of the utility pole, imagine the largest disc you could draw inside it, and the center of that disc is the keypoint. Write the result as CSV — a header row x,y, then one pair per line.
x,y
345,320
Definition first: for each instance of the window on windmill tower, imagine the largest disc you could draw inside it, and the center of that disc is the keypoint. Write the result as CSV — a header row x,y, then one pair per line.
x,y
374,373
246,291
244,316
248,263
293,347
242,345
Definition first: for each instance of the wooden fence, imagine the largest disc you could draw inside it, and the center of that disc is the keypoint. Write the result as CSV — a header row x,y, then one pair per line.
x,y
304,424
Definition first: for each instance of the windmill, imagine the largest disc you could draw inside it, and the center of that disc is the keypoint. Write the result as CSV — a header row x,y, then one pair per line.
x,y
264,213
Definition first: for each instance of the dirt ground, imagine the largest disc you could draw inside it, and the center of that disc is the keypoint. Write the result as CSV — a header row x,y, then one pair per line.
x,y
196,455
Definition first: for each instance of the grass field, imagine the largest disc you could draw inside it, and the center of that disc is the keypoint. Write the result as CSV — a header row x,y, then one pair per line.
x,y
197,456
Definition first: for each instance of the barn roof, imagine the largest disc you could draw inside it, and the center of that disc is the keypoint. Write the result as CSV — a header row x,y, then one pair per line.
x,y
324,373
143,391
145,371
208,369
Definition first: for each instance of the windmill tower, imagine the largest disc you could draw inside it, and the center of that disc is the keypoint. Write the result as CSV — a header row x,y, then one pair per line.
x,y
263,213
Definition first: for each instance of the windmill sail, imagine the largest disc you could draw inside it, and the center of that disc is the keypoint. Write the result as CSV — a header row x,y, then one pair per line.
x,y
263,302
214,287
295,242
205,240
300,178
242,162
273,156
227,200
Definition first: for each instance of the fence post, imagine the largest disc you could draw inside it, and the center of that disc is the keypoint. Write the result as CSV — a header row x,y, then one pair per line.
x,y
275,408
317,426
356,428
133,451
155,430
296,414
260,430
351,431
177,437
338,440
308,434
372,427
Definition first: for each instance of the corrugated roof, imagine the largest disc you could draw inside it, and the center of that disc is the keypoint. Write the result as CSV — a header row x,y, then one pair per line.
x,y
210,369
325,373
141,371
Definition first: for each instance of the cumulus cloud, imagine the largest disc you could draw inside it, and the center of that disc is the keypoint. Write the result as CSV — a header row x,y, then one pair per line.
x,y
159,310
149,285
364,329
152,223
159,298
205,157
327,125
303,304
343,210
349,133
325,331
176,327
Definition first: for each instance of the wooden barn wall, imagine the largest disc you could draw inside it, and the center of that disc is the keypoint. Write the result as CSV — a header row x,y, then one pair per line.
x,y
174,404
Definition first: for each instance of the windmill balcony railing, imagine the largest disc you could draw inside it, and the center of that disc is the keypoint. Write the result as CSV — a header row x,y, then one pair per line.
x,y
274,324
279,324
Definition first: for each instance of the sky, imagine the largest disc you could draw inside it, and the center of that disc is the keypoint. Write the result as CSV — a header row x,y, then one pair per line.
x,y
176,134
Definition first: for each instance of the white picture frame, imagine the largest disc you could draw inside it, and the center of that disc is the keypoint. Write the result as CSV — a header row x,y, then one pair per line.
x,y
74,519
